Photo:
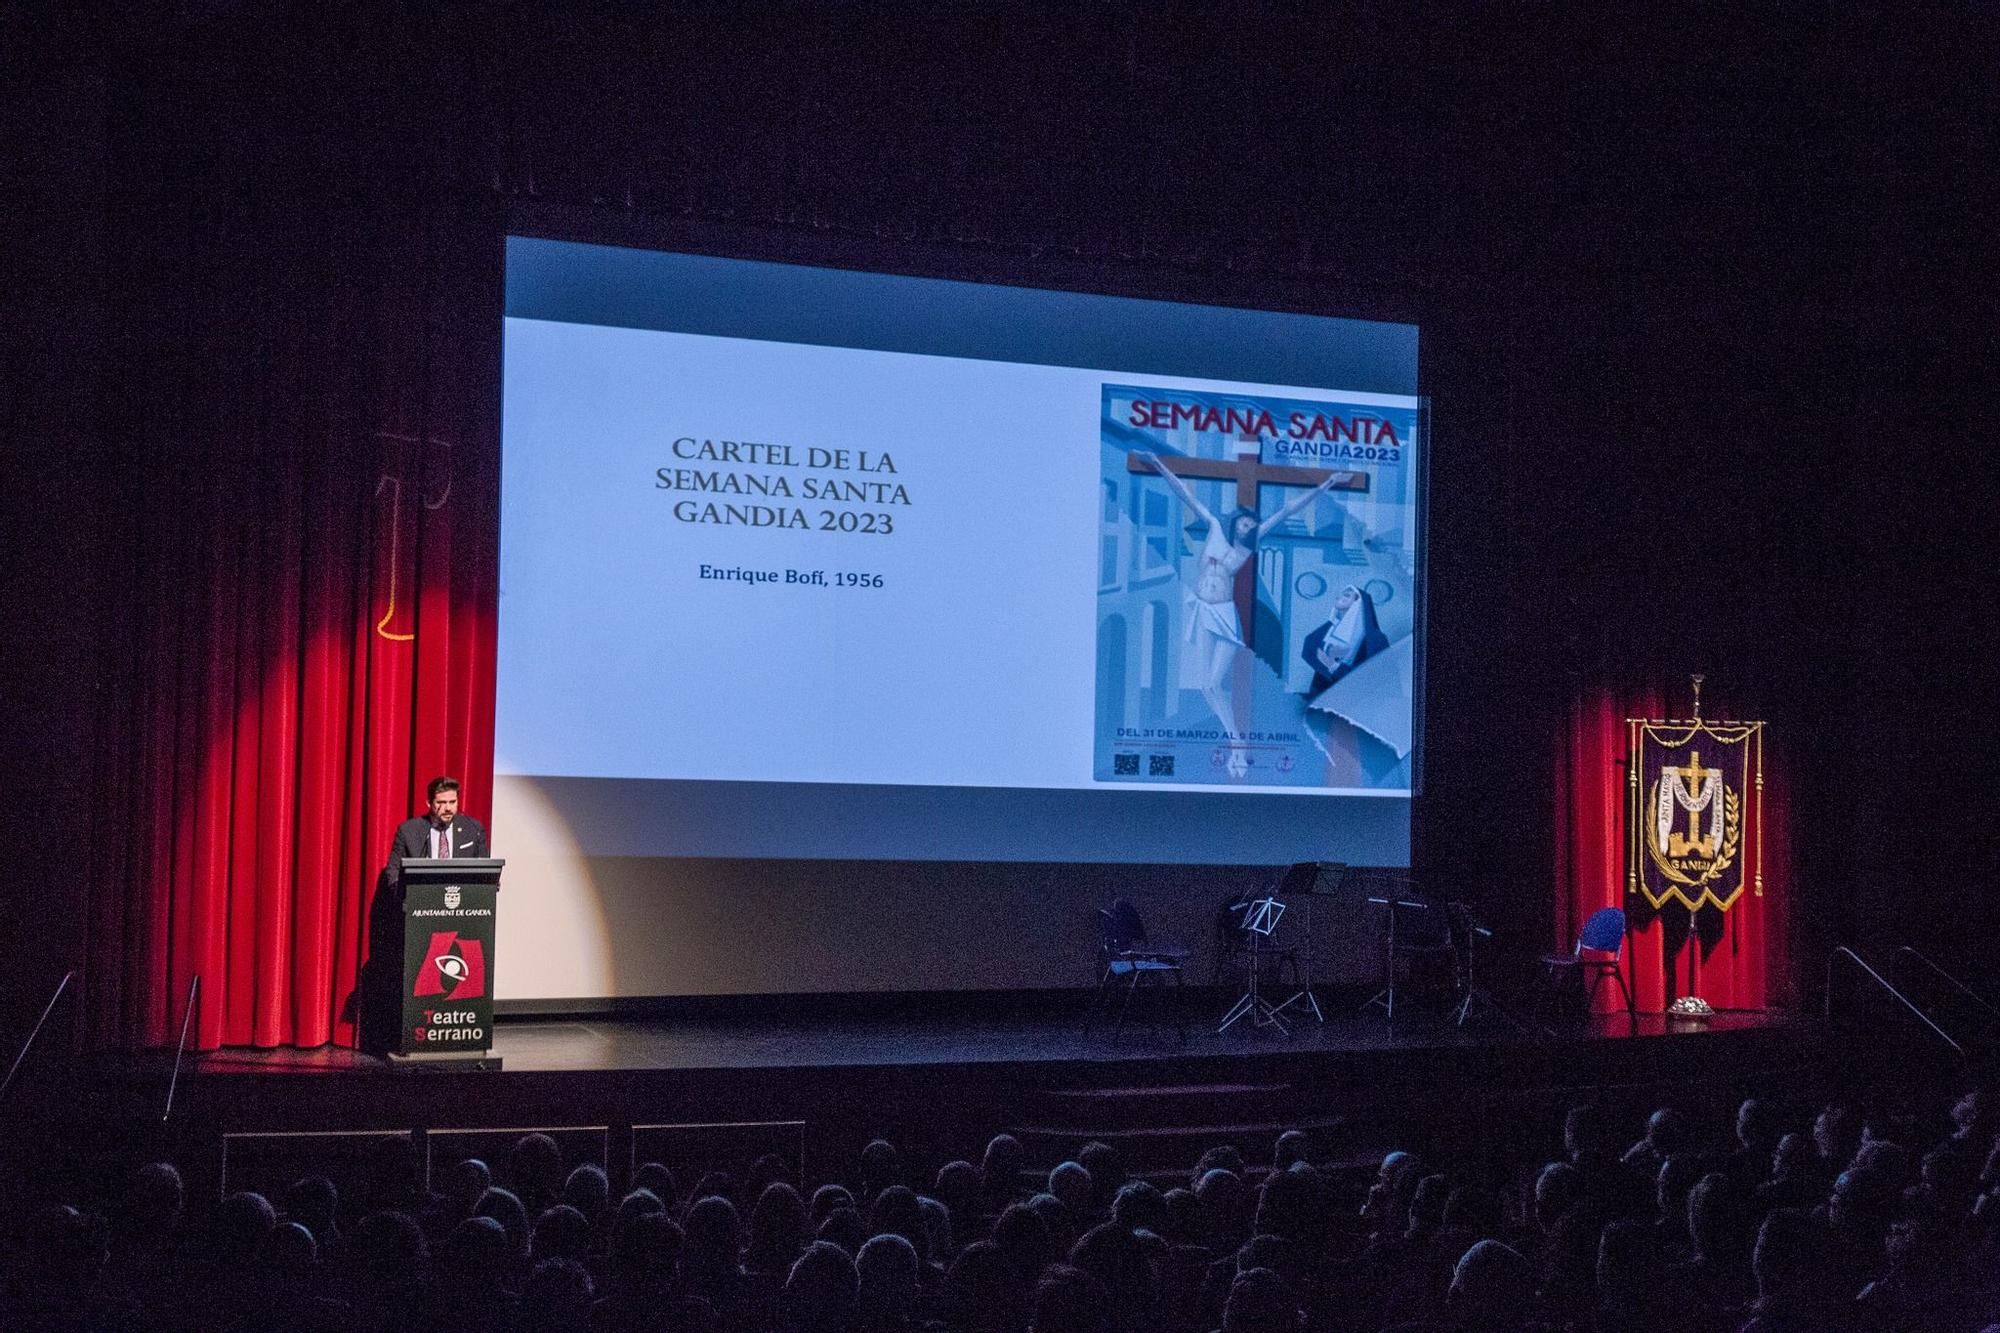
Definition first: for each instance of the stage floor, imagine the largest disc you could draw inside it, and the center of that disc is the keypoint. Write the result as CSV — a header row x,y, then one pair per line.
x,y
937,1075
958,1031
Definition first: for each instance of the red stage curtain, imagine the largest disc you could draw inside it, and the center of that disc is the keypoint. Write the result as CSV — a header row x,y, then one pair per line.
x,y
310,539
1739,956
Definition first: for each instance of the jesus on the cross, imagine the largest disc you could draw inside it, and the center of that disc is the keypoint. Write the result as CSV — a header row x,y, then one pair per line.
x,y
1214,629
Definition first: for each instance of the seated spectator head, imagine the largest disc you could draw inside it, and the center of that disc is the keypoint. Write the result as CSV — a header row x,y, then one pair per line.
x,y
1889,1159
957,1187
506,1208
657,1177
1058,1222
1837,1136
289,1256
825,1199
881,1167
1667,1132
1260,1301
1717,1222
1139,1206
1281,1256
1181,1216
714,1236
476,1254
1628,1268
712,1184
646,1247
1069,1300
939,1243
777,1229
1558,1189
557,1296
61,1249
1473,1210
312,1202
845,1228
464,1183
1115,1257
1790,1256
561,1232
1223,1157
1427,1207
1976,1116
981,1288
1071,1182
1107,1172
587,1190
820,1292
1676,1176
534,1168
1294,1145
1226,1206
390,1248
1587,1134
1000,1167
154,1197
241,1222
1757,1128
1861,1206
887,1270
767,1170
1294,1204
1022,1238
1492,1287
1794,1156
898,1212
640,1201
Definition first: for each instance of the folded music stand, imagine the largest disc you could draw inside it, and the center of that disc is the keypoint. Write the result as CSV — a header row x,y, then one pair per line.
x,y
1397,899
1260,918
1312,879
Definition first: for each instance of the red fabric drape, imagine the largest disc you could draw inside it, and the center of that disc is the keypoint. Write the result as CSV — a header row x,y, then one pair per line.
x,y
1739,961
313,562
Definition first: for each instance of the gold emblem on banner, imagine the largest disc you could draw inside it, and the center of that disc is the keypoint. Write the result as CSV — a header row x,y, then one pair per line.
x,y
1691,820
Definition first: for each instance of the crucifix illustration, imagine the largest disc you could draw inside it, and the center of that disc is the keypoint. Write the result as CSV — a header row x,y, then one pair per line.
x,y
1251,474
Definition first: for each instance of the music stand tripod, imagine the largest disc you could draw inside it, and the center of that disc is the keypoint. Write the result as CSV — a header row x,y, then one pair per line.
x,y
1476,995
1259,920
1322,877
1386,997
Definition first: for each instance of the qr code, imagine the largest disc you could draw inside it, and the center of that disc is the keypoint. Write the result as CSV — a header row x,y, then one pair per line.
x,y
1125,765
1160,765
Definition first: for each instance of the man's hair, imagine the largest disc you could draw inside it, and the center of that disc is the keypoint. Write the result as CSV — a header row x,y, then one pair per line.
x,y
439,784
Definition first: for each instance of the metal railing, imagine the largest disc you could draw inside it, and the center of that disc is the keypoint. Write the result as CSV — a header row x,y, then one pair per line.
x,y
1958,987
1901,999
21,1057
180,1050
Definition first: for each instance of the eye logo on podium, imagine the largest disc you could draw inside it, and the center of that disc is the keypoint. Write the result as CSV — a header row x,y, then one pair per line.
x,y
454,968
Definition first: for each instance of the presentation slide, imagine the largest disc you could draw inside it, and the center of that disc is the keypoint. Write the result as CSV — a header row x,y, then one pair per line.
x,y
811,563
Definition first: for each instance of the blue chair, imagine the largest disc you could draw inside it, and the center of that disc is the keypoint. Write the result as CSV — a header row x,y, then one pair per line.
x,y
1600,946
1124,954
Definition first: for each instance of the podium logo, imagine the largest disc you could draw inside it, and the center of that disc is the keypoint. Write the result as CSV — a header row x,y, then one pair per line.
x,y
451,896
453,968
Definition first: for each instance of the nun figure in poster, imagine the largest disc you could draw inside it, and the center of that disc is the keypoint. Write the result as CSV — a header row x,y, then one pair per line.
x,y
1213,629
1350,637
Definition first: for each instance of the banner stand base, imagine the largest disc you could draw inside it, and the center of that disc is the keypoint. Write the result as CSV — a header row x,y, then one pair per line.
x,y
442,1060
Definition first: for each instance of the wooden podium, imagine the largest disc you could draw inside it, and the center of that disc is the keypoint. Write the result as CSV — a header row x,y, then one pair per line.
x,y
448,932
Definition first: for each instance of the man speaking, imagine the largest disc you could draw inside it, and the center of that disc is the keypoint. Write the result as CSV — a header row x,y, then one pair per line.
x,y
443,833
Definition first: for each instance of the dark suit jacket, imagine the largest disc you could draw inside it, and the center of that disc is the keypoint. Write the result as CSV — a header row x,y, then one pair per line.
x,y
413,838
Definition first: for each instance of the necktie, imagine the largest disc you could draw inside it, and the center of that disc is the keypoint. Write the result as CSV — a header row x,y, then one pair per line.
x,y
444,842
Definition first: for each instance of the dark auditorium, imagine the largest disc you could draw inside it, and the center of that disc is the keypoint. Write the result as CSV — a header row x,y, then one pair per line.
x,y
1455,792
